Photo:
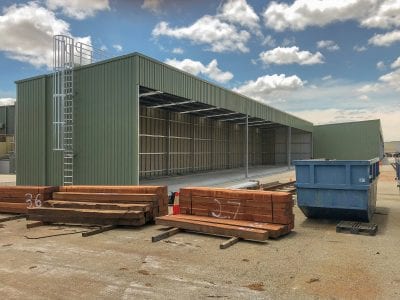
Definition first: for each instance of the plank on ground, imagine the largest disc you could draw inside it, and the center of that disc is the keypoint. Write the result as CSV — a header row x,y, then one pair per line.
x,y
16,208
95,205
85,220
214,228
275,230
89,213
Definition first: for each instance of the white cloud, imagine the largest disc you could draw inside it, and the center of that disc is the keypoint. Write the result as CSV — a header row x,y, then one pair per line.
x,y
195,67
359,48
328,45
7,101
363,98
289,42
369,88
380,65
26,33
291,55
385,39
177,50
327,77
303,13
386,16
78,9
263,86
240,12
396,63
220,36
392,79
269,41
153,6
118,47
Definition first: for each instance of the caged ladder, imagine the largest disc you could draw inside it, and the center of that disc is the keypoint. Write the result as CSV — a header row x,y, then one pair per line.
x,y
63,103
67,54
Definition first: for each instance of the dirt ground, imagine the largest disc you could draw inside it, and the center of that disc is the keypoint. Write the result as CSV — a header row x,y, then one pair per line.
x,y
313,262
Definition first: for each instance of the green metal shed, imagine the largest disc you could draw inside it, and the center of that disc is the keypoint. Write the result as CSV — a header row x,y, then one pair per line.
x,y
136,117
352,140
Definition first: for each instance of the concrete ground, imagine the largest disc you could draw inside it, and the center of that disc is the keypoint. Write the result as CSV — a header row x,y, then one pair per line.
x,y
313,262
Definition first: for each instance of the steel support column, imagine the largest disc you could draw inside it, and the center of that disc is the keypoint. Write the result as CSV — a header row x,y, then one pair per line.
x,y
168,157
289,147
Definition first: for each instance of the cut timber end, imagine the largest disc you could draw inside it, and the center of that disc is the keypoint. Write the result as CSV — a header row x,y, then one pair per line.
x,y
229,243
165,234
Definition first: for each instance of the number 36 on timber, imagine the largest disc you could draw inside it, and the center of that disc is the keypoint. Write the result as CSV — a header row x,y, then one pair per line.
x,y
33,202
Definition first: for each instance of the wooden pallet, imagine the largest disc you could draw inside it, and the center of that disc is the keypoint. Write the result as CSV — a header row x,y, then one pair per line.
x,y
357,227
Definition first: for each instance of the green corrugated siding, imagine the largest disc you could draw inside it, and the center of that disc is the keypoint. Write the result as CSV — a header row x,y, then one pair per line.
x,y
7,118
106,127
31,132
355,140
159,76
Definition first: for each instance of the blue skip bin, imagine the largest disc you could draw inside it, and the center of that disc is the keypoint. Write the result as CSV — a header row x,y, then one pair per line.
x,y
339,189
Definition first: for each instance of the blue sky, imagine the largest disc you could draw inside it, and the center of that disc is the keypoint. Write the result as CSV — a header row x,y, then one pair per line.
x,y
325,61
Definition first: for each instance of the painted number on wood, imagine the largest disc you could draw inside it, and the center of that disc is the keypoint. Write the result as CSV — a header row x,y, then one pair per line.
x,y
33,202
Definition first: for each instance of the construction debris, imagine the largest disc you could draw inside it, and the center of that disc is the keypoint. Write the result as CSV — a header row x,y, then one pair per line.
x,y
103,205
16,199
238,214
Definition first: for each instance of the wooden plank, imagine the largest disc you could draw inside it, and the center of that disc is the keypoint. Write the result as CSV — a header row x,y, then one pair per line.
x,y
98,230
229,243
89,213
16,208
233,215
95,205
228,201
12,218
105,197
165,234
275,230
213,228
75,219
35,224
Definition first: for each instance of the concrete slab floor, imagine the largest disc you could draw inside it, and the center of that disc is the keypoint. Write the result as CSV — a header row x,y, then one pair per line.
x,y
313,262
223,178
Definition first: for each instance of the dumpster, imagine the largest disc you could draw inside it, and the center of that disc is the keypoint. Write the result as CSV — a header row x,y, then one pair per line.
x,y
338,189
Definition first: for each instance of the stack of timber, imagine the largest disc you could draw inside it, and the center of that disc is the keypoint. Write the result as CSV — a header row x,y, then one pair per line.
x,y
247,214
16,199
103,205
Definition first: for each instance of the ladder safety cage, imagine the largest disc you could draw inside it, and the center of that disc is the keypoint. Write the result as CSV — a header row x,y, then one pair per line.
x,y
67,54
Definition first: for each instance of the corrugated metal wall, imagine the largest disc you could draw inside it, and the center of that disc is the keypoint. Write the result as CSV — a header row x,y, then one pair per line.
x,y
354,140
7,119
31,132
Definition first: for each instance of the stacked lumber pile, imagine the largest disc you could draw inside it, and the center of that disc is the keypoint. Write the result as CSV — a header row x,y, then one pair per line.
x,y
103,205
247,214
16,199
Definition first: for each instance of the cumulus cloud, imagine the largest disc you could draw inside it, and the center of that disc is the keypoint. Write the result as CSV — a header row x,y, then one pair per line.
x,y
385,39
327,77
328,45
177,50
380,65
78,9
263,86
7,101
210,30
386,16
304,13
392,79
117,47
195,67
358,48
153,6
240,12
291,55
26,32
396,63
